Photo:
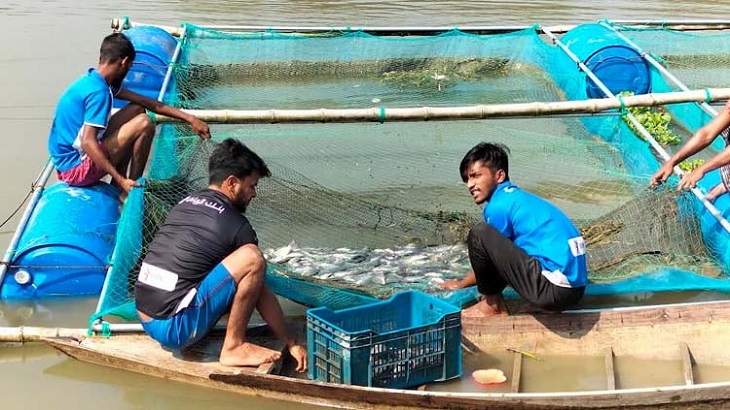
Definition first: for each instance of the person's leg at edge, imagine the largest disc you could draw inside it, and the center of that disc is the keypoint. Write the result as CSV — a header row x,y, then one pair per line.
x,y
128,139
247,266
489,283
722,187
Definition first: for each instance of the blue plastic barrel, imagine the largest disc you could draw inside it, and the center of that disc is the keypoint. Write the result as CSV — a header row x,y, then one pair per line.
x,y
619,66
154,48
67,244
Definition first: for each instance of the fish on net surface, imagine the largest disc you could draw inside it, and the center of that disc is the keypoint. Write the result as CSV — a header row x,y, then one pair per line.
x,y
356,201
646,234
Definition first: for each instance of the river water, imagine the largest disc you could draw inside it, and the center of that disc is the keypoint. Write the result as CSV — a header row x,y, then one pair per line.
x,y
45,44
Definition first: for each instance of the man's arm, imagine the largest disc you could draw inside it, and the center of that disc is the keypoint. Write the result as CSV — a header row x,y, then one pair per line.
x,y
199,126
90,145
269,308
690,180
699,141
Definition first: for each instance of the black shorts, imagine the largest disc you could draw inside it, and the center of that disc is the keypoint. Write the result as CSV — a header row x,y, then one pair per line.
x,y
498,263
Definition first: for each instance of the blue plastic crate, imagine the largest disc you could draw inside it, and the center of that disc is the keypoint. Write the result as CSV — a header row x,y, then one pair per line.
x,y
410,339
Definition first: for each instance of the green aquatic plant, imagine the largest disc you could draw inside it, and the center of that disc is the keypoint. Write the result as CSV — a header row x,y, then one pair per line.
x,y
655,120
418,79
440,73
690,165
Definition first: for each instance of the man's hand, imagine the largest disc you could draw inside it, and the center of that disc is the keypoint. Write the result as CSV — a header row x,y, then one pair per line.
x,y
690,180
661,176
469,280
200,127
299,353
127,184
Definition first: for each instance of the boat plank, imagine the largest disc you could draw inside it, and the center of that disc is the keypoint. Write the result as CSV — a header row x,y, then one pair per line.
x,y
516,373
687,368
651,333
610,370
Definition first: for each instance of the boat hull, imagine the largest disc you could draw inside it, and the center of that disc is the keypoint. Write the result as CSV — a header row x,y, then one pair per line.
x,y
691,333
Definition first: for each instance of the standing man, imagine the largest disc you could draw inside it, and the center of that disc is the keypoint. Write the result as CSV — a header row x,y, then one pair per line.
x,y
720,125
204,262
524,242
86,142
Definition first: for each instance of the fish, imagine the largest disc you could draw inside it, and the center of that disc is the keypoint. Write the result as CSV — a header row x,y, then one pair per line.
x,y
409,266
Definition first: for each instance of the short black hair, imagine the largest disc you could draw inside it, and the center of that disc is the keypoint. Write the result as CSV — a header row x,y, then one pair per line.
x,y
232,157
493,155
116,46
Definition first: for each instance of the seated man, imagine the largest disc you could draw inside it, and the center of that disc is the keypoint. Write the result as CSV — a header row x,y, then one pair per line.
x,y
86,142
720,125
524,242
205,262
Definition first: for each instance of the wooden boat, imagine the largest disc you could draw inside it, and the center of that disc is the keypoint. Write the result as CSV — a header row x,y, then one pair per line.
x,y
685,340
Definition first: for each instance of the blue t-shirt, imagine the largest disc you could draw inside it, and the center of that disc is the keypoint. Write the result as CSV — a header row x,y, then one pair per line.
x,y
542,230
88,101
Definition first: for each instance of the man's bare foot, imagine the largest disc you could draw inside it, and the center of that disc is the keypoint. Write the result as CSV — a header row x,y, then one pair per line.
x,y
482,309
716,191
530,309
248,354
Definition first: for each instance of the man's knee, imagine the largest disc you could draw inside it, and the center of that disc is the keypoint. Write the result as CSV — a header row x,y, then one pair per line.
x,y
246,260
143,125
481,232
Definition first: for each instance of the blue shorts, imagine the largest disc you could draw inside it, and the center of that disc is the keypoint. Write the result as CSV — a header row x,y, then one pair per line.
x,y
212,300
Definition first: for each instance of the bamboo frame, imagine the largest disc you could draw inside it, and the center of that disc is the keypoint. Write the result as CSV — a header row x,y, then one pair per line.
x,y
681,25
704,106
647,136
474,112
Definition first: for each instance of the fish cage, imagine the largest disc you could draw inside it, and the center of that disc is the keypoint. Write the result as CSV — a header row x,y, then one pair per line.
x,y
375,207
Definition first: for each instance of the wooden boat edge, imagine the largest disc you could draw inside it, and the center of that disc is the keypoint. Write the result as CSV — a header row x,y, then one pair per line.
x,y
284,388
306,391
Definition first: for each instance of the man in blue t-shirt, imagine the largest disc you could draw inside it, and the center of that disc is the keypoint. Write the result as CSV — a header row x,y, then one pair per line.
x,y
87,142
524,242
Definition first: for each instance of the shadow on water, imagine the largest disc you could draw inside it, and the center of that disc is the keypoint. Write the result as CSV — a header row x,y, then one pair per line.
x,y
146,392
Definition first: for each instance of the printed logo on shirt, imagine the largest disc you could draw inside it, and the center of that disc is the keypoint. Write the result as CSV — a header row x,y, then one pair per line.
x,y
203,202
577,246
157,277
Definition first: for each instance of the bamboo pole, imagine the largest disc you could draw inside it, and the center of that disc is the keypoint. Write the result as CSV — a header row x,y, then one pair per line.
x,y
474,112
36,189
680,25
119,24
26,334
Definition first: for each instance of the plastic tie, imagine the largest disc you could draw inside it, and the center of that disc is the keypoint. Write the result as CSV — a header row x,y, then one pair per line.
x,y
152,116
106,330
622,105
708,97
381,118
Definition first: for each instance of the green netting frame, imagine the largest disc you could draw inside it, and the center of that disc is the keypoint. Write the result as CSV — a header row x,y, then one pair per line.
x,y
370,185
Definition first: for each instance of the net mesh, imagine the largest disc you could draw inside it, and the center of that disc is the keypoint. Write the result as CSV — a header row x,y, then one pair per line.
x,y
340,193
